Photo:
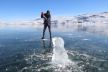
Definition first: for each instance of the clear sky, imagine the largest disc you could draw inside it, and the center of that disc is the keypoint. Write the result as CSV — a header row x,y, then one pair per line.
x,y
30,9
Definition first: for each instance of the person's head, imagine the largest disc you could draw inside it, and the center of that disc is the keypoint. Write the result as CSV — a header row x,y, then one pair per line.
x,y
48,12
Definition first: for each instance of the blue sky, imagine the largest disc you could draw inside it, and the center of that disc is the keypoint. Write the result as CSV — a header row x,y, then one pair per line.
x,y
30,9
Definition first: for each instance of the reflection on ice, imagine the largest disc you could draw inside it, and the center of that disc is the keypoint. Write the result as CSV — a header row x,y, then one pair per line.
x,y
85,39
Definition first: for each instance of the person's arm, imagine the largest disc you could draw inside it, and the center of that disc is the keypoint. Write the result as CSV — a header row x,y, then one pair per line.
x,y
44,17
41,14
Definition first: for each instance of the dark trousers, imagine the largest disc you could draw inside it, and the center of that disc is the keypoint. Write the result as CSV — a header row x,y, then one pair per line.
x,y
49,28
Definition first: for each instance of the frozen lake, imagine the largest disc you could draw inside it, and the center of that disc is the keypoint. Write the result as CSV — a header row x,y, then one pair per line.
x,y
22,50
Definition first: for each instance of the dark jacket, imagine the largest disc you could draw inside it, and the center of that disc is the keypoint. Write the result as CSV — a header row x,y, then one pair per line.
x,y
47,18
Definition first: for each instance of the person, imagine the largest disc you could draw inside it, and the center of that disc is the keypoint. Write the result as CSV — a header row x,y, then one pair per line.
x,y
47,22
